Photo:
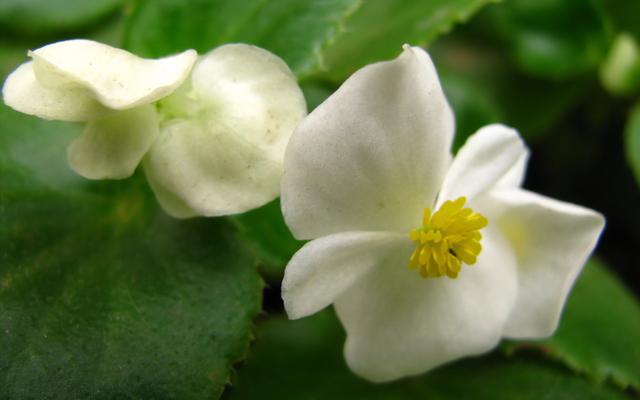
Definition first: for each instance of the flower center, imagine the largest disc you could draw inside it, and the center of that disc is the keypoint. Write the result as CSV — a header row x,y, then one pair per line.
x,y
449,237
184,103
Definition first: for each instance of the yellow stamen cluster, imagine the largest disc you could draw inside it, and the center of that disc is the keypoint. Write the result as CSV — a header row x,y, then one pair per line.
x,y
448,238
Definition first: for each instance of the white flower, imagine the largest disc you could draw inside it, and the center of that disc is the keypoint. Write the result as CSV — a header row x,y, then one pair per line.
x,y
212,130
360,171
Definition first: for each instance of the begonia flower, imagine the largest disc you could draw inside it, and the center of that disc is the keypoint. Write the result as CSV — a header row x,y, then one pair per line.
x,y
212,129
426,258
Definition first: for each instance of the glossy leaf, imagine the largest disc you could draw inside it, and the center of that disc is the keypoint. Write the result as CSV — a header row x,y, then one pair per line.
x,y
266,233
599,330
102,295
473,106
378,29
296,30
309,354
552,38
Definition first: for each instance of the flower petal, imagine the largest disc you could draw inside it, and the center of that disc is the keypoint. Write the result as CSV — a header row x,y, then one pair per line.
x,y
399,324
112,147
254,93
23,93
116,78
210,170
552,240
221,150
172,204
373,155
326,267
492,153
514,178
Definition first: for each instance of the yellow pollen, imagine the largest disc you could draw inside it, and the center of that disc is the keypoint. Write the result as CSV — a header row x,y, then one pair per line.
x,y
449,237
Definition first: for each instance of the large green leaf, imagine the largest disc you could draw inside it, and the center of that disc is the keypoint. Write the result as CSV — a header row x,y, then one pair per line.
x,y
267,234
45,17
632,140
296,30
102,295
379,28
599,330
303,360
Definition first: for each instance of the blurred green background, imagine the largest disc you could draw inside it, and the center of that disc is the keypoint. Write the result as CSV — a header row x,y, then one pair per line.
x,y
104,296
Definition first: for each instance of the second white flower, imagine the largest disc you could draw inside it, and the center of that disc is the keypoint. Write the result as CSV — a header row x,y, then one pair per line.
x,y
212,130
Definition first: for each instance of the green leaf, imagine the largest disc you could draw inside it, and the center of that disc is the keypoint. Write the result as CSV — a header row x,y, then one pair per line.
x,y
44,17
267,234
473,105
308,353
379,28
552,38
316,92
11,55
102,295
632,140
296,30
599,330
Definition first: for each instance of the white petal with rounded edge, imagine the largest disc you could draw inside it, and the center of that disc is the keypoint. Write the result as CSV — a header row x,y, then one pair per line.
x,y
112,147
373,155
23,93
115,77
399,324
252,92
203,167
222,145
514,178
326,267
172,204
490,154
552,241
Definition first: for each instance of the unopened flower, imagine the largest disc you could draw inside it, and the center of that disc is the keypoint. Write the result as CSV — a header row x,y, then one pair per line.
x,y
211,130
426,258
